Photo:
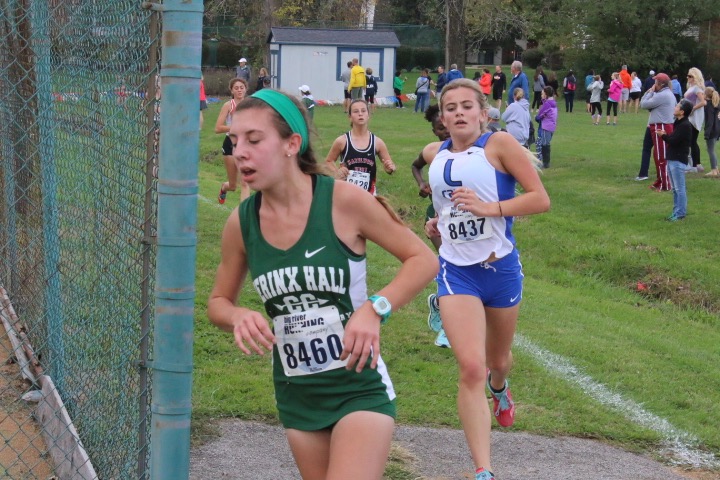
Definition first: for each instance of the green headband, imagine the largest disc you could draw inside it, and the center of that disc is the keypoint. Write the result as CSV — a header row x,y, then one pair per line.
x,y
288,111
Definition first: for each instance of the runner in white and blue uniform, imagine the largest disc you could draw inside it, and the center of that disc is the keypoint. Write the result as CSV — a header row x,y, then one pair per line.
x,y
472,178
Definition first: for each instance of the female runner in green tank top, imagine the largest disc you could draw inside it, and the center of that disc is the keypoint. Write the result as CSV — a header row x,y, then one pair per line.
x,y
302,237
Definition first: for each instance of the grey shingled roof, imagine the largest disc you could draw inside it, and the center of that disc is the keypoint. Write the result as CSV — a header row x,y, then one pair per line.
x,y
324,36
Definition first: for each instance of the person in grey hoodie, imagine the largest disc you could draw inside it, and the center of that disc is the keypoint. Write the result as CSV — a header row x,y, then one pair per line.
x,y
660,101
517,117
595,89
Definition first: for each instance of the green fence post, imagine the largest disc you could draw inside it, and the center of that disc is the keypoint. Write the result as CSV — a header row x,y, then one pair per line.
x,y
176,239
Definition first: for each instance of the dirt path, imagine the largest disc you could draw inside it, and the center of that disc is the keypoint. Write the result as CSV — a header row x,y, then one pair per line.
x,y
257,451
21,452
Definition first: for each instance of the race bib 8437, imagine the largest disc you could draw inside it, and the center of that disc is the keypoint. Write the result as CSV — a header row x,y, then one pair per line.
x,y
464,226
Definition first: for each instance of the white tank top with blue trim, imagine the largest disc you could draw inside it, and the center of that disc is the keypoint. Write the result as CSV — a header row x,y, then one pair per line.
x,y
467,239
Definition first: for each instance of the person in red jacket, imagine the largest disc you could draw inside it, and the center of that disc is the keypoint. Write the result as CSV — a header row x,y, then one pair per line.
x,y
626,80
486,82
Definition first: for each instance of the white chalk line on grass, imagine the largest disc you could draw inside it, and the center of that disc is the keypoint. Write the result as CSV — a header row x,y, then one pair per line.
x,y
215,203
679,445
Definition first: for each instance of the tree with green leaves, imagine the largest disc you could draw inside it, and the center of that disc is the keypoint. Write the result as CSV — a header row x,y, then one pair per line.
x,y
641,34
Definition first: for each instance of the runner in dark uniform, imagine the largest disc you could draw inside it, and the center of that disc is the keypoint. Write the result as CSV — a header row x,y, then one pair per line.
x,y
358,149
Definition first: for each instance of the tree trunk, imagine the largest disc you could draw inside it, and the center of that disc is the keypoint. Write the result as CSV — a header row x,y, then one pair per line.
x,y
455,34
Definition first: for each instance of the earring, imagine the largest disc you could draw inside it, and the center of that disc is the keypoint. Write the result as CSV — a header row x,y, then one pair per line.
x,y
288,155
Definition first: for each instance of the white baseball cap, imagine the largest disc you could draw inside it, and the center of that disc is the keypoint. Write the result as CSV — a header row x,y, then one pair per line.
x,y
652,72
242,60
304,88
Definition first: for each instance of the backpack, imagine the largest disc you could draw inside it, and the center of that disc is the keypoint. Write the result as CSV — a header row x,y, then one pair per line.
x,y
571,85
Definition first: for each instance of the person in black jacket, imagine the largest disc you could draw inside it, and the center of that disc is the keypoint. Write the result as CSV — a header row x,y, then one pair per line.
x,y
678,150
712,128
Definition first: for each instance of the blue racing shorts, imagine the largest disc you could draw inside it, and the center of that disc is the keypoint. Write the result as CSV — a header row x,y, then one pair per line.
x,y
497,284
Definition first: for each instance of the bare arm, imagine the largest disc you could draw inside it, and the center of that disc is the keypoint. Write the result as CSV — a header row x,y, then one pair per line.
x,y
417,166
358,217
384,155
336,149
423,159
220,126
250,328
513,159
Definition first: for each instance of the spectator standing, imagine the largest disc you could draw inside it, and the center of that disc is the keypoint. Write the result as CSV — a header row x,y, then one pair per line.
x,y
441,82
660,101
370,89
614,97
519,80
547,116
517,118
538,85
345,77
649,82
499,84
589,78
454,73
569,87
486,82
635,91
358,80
422,91
203,99
242,70
626,81
263,75
494,120
695,94
678,147
398,84
712,128
307,100
595,90
676,88
552,81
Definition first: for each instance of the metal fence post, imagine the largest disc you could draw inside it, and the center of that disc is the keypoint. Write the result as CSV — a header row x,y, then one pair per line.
x,y
176,239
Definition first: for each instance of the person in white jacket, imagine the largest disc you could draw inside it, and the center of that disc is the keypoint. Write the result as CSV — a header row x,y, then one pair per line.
x,y
595,89
517,118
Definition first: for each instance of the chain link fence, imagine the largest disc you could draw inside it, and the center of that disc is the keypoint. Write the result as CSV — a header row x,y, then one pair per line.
x,y
78,165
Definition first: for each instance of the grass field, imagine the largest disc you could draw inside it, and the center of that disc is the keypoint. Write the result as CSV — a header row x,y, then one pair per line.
x,y
595,356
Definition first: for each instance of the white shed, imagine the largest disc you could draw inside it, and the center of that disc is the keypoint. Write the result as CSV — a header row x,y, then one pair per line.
x,y
316,57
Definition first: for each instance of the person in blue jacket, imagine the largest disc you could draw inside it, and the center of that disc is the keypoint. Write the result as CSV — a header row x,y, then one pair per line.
x,y
454,73
519,80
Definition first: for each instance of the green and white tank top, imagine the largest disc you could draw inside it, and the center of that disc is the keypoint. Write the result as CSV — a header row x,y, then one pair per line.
x,y
309,290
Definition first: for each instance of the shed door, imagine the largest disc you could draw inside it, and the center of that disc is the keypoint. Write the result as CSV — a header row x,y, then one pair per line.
x,y
274,74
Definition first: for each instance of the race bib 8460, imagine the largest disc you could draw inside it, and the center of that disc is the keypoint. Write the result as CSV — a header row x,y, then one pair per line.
x,y
311,341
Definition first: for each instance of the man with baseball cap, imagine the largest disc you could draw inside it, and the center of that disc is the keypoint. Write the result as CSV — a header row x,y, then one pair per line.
x,y
242,70
648,82
660,101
